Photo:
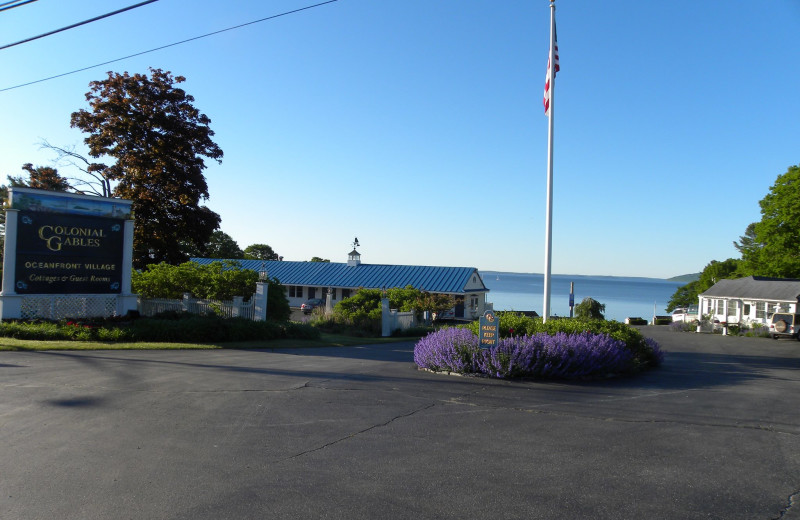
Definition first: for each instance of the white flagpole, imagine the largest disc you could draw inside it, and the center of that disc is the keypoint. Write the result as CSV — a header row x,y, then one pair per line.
x,y
548,254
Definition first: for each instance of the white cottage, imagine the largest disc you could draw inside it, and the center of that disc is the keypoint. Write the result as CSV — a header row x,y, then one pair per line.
x,y
750,300
307,280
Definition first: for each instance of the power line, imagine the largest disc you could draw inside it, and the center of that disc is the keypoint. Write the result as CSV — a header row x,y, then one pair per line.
x,y
4,6
169,45
140,4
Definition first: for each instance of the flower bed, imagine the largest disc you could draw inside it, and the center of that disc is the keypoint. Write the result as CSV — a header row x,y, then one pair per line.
x,y
539,355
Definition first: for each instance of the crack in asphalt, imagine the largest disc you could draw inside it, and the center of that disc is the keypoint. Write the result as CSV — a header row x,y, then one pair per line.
x,y
790,503
537,410
356,434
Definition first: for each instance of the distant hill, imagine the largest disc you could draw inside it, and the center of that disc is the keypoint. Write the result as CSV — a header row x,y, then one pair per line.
x,y
685,278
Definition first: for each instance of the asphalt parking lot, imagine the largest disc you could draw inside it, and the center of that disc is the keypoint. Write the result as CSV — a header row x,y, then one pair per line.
x,y
360,433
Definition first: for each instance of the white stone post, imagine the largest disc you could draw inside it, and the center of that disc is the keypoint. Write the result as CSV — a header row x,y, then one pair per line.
x,y
10,301
386,318
260,301
329,301
236,311
725,317
127,301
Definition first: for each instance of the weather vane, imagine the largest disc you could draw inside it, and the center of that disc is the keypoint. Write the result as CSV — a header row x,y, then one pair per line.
x,y
355,243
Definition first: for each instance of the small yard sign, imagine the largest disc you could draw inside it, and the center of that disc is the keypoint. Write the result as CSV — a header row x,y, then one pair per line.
x,y
489,330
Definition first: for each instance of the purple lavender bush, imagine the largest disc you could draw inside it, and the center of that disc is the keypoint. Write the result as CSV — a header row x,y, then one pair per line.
x,y
559,355
540,355
447,349
655,348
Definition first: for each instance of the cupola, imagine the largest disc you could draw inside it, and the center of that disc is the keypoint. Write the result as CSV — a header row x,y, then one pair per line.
x,y
354,258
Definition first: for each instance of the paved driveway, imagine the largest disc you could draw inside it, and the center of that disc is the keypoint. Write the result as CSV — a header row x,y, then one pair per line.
x,y
359,433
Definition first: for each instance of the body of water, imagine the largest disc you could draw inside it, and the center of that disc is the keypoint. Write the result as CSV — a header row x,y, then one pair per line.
x,y
623,297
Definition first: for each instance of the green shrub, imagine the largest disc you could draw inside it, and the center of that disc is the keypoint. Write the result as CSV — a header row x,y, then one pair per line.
x,y
168,328
360,326
214,281
413,332
363,309
590,308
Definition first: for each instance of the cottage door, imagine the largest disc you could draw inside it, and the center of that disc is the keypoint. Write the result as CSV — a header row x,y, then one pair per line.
x,y
459,307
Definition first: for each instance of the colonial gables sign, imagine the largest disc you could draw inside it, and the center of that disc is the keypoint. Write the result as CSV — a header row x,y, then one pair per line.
x,y
66,244
68,254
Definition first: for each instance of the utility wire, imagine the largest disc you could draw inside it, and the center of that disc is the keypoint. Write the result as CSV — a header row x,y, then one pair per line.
x,y
16,3
140,4
169,45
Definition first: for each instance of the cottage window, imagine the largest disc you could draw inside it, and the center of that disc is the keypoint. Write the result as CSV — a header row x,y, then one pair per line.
x,y
295,291
761,310
345,293
312,292
733,305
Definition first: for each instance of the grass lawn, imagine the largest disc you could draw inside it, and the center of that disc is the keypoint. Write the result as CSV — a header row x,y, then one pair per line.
x,y
327,340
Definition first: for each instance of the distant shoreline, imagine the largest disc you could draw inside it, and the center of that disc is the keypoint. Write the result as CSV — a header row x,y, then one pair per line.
x,y
673,279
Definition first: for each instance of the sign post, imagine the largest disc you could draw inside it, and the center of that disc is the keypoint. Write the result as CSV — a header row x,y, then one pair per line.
x,y
489,330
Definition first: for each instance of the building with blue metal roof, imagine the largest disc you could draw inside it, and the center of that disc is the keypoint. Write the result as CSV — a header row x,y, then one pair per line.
x,y
307,280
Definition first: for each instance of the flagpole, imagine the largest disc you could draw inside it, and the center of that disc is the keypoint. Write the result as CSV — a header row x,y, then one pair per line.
x,y
548,255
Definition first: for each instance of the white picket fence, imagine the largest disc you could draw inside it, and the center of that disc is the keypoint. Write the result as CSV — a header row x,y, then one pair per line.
x,y
236,308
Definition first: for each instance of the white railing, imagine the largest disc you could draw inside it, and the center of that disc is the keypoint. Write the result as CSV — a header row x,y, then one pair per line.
x,y
52,307
236,308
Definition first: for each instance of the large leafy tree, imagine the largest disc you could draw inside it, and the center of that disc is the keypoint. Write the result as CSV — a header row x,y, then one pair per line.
x,y
222,245
260,252
774,248
712,273
91,181
158,139
41,177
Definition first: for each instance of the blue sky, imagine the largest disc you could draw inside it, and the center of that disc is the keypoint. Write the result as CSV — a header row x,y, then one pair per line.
x,y
417,125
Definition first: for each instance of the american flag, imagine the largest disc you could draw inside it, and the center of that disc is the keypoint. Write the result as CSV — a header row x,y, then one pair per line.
x,y
556,68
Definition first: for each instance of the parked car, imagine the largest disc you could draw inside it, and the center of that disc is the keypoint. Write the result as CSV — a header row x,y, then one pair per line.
x,y
310,305
444,315
784,324
685,314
